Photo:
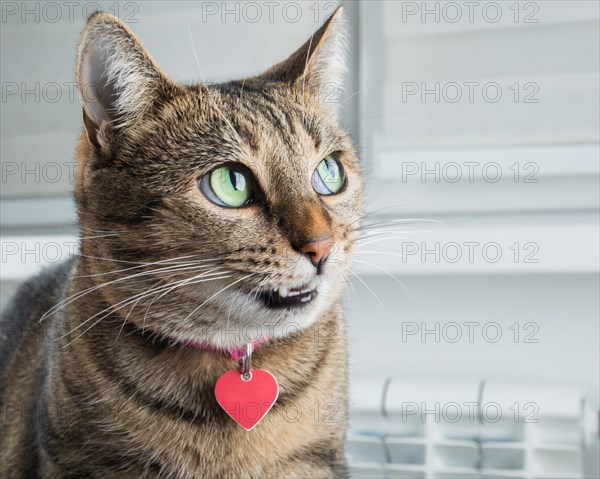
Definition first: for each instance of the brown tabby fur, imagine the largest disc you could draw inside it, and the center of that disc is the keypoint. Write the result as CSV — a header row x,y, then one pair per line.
x,y
99,388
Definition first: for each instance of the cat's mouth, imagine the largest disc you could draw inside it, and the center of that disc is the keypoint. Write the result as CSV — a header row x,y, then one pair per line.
x,y
284,297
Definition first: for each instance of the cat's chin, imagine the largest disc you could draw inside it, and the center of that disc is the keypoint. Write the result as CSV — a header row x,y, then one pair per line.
x,y
274,313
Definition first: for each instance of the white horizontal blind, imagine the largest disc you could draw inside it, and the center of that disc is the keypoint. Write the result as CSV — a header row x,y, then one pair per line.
x,y
472,429
481,118
447,88
448,75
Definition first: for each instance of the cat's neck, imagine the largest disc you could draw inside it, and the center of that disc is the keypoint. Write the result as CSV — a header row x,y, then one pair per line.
x,y
158,393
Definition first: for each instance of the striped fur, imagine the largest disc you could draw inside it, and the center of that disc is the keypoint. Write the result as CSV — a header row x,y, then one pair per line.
x,y
101,386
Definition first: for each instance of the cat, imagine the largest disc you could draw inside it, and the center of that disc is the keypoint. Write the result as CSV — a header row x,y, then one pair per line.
x,y
211,216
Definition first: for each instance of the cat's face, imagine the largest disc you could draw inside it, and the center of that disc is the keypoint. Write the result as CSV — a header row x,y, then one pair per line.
x,y
220,213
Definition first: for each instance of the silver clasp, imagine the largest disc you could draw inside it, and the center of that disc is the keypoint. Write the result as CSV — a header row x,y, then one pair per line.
x,y
247,363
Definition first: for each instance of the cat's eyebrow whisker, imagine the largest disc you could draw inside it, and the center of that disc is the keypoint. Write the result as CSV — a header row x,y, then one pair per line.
x,y
218,110
308,52
251,63
194,51
402,285
367,286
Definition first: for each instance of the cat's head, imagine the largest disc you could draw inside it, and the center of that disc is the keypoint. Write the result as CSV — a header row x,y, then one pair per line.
x,y
215,212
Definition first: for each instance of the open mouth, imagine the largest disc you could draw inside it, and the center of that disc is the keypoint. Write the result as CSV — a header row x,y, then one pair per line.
x,y
283,297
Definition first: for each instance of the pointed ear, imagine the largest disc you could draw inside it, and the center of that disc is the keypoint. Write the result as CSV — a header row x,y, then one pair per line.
x,y
118,81
319,65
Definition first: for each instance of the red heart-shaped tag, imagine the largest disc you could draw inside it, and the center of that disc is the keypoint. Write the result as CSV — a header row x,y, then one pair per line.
x,y
247,402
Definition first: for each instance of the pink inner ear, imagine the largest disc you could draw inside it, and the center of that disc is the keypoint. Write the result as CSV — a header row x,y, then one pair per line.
x,y
97,95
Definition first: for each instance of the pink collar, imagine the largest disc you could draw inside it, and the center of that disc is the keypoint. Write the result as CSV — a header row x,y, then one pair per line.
x,y
235,354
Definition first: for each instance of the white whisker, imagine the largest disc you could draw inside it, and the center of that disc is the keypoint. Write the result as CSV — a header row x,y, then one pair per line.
x,y
370,290
62,304
113,308
217,293
386,272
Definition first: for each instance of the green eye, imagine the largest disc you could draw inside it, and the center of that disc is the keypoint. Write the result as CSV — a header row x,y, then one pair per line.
x,y
228,186
329,177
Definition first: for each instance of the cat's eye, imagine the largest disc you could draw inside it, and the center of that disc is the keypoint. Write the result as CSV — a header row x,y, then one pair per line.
x,y
229,185
329,177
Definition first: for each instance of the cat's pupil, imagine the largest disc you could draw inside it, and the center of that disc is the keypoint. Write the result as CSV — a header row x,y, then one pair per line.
x,y
332,170
237,180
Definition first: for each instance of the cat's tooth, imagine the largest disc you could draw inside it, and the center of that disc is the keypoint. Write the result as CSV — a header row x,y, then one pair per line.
x,y
313,284
283,292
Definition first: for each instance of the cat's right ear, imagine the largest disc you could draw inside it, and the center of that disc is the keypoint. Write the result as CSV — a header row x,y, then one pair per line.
x,y
118,80
318,66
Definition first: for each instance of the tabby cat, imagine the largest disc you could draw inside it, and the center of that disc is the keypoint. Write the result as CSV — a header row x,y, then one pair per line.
x,y
211,215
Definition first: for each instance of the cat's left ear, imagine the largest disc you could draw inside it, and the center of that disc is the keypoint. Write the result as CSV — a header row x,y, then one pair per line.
x,y
318,67
118,81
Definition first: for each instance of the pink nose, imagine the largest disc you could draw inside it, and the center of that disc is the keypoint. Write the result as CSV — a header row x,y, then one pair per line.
x,y
318,250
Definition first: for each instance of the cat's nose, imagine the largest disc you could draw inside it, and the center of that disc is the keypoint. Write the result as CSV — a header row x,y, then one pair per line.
x,y
318,250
